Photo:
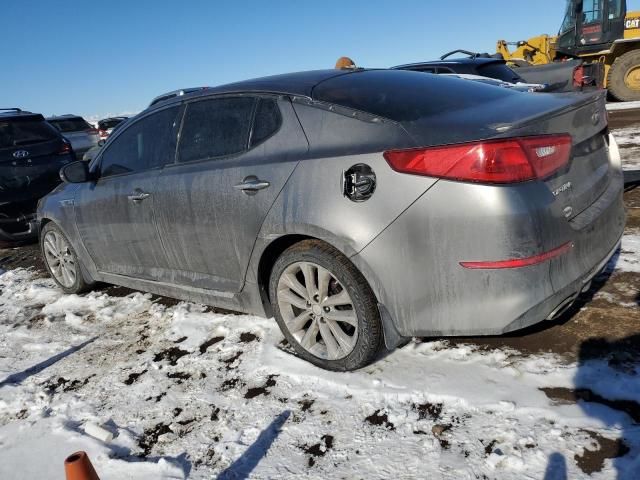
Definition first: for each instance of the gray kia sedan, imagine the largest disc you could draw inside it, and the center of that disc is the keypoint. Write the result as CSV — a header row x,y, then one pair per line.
x,y
357,207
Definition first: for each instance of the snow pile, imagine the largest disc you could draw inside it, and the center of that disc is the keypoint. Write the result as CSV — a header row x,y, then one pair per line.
x,y
190,393
629,258
616,106
628,140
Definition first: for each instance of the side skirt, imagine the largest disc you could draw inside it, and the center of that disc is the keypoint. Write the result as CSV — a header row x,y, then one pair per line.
x,y
247,301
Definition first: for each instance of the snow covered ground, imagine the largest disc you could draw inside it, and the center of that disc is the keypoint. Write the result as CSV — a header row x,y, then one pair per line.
x,y
629,142
616,106
192,393
189,392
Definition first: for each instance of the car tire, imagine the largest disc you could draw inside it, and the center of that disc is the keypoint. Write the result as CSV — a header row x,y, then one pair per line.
x,y
616,79
61,260
342,330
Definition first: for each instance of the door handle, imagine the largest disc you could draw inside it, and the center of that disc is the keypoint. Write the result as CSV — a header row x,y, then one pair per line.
x,y
138,195
251,185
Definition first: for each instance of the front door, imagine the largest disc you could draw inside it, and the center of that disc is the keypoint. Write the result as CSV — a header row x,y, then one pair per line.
x,y
234,157
115,214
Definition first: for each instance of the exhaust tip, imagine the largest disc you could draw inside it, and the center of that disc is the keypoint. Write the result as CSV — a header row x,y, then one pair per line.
x,y
563,307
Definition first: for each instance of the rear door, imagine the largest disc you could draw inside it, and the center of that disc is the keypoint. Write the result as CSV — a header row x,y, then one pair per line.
x,y
235,155
115,215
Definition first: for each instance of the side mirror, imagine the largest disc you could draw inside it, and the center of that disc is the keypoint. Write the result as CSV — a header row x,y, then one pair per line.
x,y
75,172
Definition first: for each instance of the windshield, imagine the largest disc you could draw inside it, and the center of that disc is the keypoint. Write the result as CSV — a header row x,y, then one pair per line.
x,y
27,131
499,71
70,124
569,22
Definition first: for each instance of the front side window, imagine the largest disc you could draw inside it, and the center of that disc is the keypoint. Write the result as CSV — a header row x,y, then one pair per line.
x,y
569,22
216,127
146,144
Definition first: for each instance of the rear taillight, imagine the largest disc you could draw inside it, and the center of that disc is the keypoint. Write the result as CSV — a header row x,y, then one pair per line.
x,y
496,161
103,133
578,77
66,148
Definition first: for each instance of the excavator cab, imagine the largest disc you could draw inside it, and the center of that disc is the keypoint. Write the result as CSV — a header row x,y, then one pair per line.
x,y
590,26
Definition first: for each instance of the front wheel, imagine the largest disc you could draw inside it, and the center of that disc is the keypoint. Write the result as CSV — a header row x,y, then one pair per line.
x,y
623,80
61,259
324,307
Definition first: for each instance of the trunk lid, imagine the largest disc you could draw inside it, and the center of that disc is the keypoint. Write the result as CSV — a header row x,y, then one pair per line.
x,y
582,115
437,111
586,177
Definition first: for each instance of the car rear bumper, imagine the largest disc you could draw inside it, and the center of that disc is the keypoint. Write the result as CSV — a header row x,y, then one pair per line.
x,y
414,266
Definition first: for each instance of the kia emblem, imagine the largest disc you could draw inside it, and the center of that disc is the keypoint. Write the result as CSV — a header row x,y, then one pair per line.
x,y
20,154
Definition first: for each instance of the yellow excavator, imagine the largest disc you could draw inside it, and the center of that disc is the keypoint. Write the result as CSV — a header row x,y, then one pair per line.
x,y
596,31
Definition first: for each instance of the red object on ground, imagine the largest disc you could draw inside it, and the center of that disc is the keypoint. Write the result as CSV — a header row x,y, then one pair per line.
x,y
77,466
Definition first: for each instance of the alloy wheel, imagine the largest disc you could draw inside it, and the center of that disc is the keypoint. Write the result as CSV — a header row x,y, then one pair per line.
x,y
317,310
60,258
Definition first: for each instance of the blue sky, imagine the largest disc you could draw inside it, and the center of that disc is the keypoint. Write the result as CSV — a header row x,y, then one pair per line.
x,y
106,57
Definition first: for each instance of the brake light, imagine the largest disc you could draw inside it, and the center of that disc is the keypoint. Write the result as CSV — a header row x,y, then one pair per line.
x,y
510,160
578,76
66,148
547,155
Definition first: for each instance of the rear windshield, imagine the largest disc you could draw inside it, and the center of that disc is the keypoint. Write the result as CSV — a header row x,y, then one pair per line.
x,y
107,124
70,124
25,131
405,96
500,71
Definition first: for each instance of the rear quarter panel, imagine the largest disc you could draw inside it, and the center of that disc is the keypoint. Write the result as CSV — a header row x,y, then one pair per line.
x,y
312,202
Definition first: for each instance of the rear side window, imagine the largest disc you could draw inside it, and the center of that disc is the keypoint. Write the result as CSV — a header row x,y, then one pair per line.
x,y
267,121
146,144
25,131
107,124
215,128
71,125
405,96
499,71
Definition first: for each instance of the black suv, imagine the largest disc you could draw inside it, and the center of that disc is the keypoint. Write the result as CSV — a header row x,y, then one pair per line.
x,y
31,155
474,64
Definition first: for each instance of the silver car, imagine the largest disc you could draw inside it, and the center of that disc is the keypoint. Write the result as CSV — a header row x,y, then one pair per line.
x,y
77,130
359,208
